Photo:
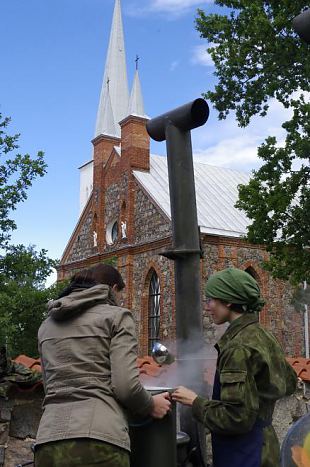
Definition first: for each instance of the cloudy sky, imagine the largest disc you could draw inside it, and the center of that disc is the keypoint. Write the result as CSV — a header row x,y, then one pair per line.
x,y
53,55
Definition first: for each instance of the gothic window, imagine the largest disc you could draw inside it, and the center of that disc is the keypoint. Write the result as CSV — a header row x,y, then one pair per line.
x,y
253,273
114,232
154,311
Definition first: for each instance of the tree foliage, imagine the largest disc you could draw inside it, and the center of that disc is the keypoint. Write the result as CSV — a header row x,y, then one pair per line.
x,y
23,297
259,57
23,270
17,173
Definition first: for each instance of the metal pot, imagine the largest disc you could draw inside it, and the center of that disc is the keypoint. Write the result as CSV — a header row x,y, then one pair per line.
x,y
153,442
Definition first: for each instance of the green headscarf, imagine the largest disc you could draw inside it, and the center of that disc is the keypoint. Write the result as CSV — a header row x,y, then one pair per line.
x,y
235,286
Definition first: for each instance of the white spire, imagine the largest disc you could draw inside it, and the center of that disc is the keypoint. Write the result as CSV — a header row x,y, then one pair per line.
x,y
136,105
116,74
108,126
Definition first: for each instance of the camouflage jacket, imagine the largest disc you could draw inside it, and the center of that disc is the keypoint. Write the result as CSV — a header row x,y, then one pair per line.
x,y
253,375
14,373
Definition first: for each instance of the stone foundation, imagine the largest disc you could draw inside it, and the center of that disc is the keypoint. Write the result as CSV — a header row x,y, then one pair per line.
x,y
20,414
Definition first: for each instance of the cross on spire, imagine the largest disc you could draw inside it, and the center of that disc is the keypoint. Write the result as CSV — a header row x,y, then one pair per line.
x,y
137,61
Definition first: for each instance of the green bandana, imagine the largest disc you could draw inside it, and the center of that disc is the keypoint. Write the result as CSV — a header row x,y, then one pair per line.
x,y
235,286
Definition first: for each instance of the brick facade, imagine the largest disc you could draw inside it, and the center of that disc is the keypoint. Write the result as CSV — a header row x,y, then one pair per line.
x,y
117,196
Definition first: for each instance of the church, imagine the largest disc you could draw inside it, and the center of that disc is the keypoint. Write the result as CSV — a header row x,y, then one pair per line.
x,y
125,218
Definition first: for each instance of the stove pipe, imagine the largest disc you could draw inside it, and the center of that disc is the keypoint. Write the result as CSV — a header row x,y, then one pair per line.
x,y
175,127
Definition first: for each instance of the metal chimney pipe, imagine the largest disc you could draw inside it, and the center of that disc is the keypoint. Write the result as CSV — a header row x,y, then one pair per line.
x,y
186,118
175,127
301,24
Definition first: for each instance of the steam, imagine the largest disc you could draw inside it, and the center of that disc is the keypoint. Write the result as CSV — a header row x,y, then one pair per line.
x,y
194,367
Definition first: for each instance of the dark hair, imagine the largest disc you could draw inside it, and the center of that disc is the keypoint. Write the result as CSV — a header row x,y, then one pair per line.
x,y
99,274
237,307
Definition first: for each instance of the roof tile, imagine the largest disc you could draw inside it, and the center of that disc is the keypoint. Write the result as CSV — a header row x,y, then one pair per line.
x,y
301,366
152,373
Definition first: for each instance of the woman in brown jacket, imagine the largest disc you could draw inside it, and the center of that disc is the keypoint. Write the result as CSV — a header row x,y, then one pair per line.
x,y
88,353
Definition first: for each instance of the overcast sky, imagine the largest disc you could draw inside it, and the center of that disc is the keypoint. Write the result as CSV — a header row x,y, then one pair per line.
x,y
53,56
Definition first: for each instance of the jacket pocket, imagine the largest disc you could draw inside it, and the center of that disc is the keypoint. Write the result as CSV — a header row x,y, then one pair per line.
x,y
233,386
232,376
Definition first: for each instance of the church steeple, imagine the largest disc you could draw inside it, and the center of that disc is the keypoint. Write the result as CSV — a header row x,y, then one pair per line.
x,y
136,105
115,83
108,126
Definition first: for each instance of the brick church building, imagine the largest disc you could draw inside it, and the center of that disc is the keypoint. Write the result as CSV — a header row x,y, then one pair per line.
x,y
125,217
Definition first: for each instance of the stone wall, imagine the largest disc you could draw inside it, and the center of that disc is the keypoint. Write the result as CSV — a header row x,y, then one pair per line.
x,y
116,196
19,419
149,223
279,315
83,244
142,266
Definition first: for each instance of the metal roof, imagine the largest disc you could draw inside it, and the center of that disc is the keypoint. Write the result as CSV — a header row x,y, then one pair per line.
x,y
216,194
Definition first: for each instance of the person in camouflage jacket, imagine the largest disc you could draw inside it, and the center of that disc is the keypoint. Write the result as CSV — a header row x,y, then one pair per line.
x,y
12,373
252,374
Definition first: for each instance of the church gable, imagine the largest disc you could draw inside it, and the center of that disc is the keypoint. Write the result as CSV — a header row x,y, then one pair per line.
x,y
82,242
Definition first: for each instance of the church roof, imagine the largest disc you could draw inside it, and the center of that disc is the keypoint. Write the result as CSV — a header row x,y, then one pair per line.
x,y
115,80
216,194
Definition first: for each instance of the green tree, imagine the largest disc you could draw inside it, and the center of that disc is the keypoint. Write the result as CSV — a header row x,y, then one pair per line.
x,y
23,270
17,173
23,297
257,57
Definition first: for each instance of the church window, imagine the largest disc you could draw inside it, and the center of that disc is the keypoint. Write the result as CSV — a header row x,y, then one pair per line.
x,y
154,311
253,273
112,232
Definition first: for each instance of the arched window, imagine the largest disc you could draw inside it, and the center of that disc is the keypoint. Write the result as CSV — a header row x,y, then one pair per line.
x,y
114,232
154,311
253,273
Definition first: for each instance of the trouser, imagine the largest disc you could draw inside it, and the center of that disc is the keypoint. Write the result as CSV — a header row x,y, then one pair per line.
x,y
84,452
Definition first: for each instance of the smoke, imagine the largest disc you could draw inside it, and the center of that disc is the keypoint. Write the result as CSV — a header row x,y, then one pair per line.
x,y
194,367
301,297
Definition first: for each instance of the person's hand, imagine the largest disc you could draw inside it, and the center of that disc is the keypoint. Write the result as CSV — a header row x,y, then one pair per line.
x,y
184,396
161,405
